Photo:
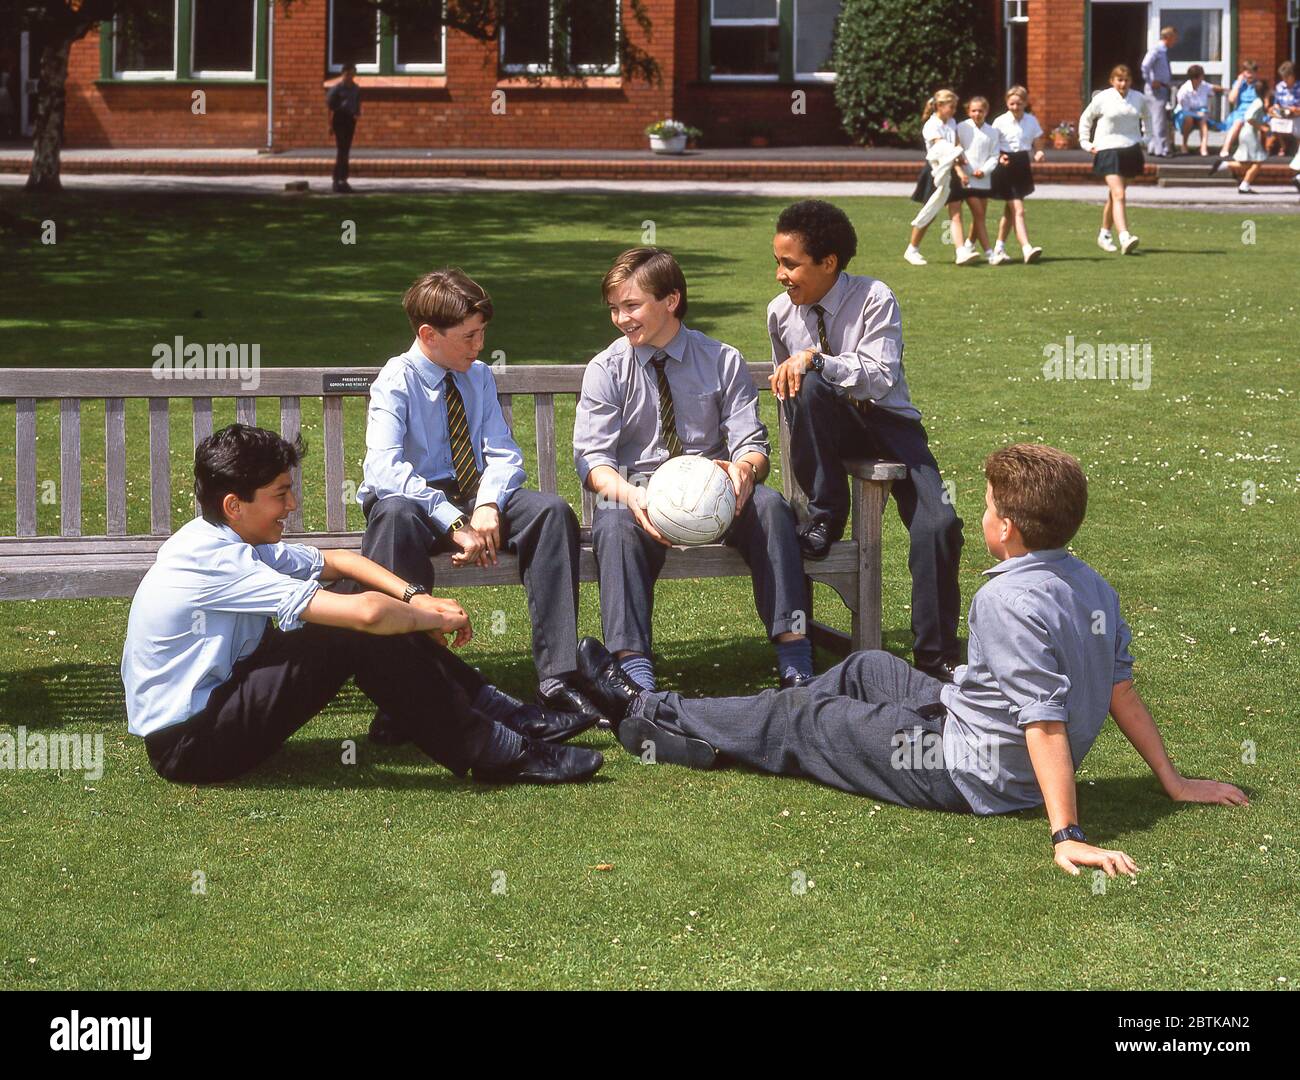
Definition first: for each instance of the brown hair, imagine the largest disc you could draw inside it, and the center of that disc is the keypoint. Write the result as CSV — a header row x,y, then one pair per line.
x,y
1285,69
1041,489
655,270
978,97
445,298
1120,69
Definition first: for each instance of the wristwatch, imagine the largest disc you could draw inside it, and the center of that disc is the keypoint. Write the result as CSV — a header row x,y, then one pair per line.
x,y
413,590
459,523
817,362
1070,832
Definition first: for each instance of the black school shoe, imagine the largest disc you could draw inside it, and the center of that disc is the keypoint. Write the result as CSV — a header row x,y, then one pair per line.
x,y
794,680
544,763
610,688
941,670
815,540
569,699
530,721
639,735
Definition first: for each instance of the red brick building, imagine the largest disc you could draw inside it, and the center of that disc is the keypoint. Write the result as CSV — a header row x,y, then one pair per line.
x,y
748,72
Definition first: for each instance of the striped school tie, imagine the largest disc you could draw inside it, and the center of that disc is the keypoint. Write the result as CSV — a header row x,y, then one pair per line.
x,y
462,450
861,404
667,414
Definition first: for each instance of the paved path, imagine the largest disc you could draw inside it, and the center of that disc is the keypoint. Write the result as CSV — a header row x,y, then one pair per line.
x,y
1272,199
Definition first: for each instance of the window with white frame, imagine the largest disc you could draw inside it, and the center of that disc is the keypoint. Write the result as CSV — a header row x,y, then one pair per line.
x,y
420,42
745,39
1015,16
533,37
814,38
380,44
144,42
222,38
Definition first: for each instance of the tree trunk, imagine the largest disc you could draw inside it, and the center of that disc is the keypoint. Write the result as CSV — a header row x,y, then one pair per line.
x,y
51,100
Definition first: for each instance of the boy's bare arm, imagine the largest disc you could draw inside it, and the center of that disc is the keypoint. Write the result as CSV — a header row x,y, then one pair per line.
x,y
1134,719
1049,751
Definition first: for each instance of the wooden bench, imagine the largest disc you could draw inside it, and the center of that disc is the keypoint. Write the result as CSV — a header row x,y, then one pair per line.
x,y
72,566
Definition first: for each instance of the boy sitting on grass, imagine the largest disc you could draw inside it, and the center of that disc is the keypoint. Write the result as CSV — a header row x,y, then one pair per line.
x,y
214,689
1048,658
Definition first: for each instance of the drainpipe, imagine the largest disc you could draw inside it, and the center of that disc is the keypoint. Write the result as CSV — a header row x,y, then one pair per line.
x,y
270,72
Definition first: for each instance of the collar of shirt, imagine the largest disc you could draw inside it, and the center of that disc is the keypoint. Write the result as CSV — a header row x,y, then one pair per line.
x,y
1028,561
830,302
431,374
676,348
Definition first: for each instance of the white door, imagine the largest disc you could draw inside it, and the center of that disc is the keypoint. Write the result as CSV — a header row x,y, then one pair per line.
x,y
1204,29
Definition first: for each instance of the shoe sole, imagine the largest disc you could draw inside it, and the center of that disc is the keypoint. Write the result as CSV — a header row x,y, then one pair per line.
x,y
669,749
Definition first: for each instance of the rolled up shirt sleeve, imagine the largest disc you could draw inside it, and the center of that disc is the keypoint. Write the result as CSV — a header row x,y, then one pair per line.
x,y
1019,655
240,583
1123,658
387,472
598,423
299,561
503,461
870,371
744,431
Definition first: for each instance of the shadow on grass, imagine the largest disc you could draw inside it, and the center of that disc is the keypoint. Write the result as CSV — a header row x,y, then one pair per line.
x,y
62,696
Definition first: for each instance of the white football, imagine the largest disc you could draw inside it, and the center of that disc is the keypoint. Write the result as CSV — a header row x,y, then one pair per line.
x,y
690,500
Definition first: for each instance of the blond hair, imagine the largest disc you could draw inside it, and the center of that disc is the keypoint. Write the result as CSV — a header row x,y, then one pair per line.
x,y
1016,91
939,97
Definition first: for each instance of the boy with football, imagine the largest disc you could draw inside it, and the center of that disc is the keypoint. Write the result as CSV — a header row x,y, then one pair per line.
x,y
1049,658
662,390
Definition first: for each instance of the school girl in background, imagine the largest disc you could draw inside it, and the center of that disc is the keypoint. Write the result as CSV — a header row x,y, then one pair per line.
x,y
979,141
1240,97
1113,128
940,126
1020,142
1250,152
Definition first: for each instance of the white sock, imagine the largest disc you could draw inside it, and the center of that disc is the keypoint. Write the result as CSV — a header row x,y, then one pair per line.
x,y
911,248
1104,234
988,253
1000,246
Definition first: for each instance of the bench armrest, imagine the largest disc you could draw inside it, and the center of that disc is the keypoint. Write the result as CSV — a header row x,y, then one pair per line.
x,y
869,469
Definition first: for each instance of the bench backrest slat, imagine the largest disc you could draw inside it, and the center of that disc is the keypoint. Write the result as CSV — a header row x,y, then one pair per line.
x,y
246,410
25,445
336,514
115,466
202,428
70,467
507,407
290,427
160,467
544,412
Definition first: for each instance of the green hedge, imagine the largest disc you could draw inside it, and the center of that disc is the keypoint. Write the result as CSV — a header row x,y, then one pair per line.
x,y
890,57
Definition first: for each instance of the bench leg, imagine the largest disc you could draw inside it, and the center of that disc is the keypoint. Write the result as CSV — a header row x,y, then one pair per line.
x,y
868,514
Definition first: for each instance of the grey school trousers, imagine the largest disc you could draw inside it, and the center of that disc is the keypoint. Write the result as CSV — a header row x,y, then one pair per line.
x,y
855,727
628,563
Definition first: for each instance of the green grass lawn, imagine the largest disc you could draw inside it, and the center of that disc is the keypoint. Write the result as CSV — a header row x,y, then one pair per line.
x,y
382,873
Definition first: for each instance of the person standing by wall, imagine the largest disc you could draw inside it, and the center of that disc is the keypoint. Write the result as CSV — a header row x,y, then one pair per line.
x,y
1159,82
344,103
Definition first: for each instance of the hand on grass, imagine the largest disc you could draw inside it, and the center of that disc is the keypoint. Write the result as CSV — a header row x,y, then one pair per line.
x,y
1071,854
1208,791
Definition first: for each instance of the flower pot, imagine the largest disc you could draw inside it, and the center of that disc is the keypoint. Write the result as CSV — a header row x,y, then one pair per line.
x,y
668,144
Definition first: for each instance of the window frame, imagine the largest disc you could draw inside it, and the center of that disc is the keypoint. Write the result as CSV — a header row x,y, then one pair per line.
x,y
249,73
806,76
385,50
776,21
786,20
582,70
149,75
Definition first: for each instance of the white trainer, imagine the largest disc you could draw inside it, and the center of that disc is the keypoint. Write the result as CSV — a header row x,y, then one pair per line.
x,y
1033,254
1128,244
998,258
1106,243
914,257
967,254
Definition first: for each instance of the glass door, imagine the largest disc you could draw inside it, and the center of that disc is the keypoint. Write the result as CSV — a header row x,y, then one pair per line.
x,y
1204,28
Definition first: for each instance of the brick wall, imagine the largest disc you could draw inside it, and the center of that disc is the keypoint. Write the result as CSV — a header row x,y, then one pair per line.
x,y
1262,35
1055,61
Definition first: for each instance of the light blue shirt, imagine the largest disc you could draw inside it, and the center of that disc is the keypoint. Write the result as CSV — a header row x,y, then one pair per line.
x,y
408,446
1047,643
203,606
1155,65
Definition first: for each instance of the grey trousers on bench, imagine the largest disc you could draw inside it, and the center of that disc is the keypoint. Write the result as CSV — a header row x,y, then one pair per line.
x,y
540,529
628,563
850,728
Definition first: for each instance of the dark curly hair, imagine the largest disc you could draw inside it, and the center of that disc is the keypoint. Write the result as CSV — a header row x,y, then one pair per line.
x,y
824,228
